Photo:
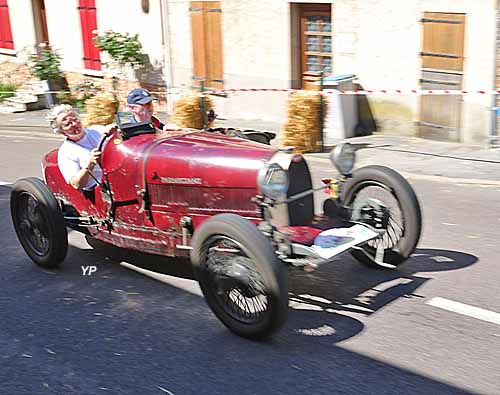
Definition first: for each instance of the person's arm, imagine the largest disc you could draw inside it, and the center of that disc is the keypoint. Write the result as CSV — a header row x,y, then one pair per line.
x,y
164,127
157,123
80,179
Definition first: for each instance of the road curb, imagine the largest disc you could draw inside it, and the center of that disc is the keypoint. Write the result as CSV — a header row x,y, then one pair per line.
x,y
451,180
427,177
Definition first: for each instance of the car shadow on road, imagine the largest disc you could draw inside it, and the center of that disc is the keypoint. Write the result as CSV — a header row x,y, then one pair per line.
x,y
177,267
347,287
321,302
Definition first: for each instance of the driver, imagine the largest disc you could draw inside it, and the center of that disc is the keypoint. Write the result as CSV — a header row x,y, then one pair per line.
x,y
78,156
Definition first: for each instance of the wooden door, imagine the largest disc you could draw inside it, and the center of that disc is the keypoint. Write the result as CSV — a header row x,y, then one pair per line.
x,y
316,43
442,69
40,19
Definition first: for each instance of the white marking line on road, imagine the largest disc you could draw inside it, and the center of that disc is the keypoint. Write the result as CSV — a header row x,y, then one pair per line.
x,y
33,137
5,183
190,286
464,309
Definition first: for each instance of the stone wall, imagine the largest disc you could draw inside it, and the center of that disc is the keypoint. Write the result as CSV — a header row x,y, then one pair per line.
x,y
13,73
121,89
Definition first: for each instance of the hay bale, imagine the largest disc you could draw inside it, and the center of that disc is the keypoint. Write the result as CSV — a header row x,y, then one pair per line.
x,y
101,110
302,127
187,111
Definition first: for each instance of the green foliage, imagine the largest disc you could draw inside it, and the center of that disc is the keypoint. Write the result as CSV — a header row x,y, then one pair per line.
x,y
79,94
123,48
45,63
7,90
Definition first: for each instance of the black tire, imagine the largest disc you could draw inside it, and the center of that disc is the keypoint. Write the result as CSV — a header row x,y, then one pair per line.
x,y
409,208
218,272
39,222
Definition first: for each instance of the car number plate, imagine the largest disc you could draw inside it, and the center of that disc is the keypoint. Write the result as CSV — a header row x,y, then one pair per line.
x,y
332,242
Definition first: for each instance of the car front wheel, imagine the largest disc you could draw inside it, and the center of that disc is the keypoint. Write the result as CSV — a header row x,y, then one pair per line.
x,y
244,283
383,199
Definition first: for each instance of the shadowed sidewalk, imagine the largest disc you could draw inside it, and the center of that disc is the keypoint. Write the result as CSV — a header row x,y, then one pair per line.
x,y
404,154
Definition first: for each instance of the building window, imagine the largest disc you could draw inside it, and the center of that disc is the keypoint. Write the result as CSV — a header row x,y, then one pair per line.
x,y
207,43
88,21
315,43
6,41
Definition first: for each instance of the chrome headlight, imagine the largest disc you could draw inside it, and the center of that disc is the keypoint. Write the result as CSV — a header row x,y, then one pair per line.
x,y
343,157
272,181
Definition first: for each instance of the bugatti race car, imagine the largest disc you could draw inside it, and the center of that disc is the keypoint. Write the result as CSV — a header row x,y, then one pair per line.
x,y
243,212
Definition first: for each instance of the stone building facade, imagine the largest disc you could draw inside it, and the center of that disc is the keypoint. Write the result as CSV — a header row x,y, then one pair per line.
x,y
253,44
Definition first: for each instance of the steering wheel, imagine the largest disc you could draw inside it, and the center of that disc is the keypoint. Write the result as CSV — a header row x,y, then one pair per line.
x,y
99,147
107,134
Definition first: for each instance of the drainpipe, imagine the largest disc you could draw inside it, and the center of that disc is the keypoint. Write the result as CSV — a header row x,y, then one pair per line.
x,y
494,100
167,54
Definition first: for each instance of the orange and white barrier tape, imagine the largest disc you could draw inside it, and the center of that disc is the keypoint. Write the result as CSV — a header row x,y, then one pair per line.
x,y
324,92
419,92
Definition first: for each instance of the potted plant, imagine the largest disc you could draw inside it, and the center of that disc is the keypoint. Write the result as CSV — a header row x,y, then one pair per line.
x,y
124,50
45,64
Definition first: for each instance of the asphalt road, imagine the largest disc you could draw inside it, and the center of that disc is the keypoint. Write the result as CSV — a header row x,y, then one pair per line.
x,y
351,330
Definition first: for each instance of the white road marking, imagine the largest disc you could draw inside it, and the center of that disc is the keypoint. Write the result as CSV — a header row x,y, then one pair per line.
x,y
165,390
32,137
190,286
464,309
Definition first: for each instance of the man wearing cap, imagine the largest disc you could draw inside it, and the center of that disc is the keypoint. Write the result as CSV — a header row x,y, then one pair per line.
x,y
140,103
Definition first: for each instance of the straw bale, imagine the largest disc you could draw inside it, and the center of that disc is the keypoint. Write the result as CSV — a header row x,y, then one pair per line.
x,y
187,111
302,127
101,110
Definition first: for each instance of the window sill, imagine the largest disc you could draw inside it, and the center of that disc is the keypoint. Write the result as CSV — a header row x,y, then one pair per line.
x,y
93,73
10,52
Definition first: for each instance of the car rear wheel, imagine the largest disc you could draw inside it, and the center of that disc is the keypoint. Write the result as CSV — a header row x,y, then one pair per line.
x,y
383,199
38,222
244,283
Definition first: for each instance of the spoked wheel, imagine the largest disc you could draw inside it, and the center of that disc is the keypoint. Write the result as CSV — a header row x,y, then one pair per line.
x,y
237,286
243,282
383,199
38,222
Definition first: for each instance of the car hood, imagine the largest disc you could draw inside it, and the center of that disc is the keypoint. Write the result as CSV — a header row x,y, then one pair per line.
x,y
206,159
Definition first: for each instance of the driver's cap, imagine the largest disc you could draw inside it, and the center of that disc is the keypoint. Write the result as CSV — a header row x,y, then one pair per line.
x,y
139,96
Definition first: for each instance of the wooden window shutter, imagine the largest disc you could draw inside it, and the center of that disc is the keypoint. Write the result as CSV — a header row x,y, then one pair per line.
x,y
207,43
88,21
5,30
214,44
443,42
198,39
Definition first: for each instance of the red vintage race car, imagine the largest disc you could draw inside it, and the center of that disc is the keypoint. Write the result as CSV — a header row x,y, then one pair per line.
x,y
241,210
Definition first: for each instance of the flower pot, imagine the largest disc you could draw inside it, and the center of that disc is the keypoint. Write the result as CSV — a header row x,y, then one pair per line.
x,y
52,87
